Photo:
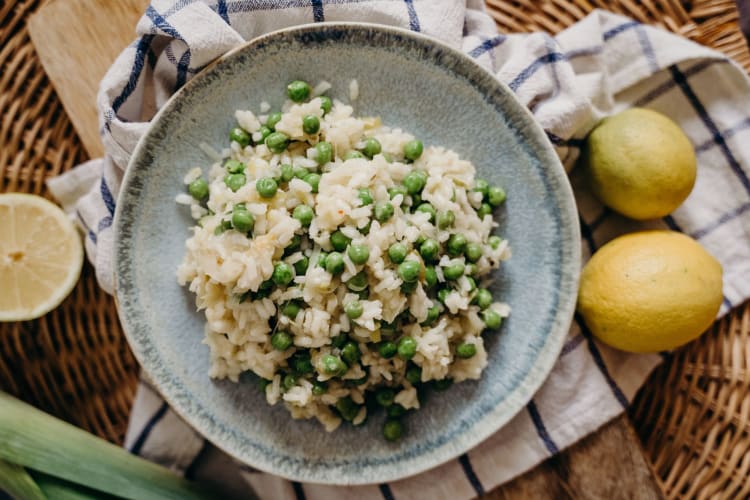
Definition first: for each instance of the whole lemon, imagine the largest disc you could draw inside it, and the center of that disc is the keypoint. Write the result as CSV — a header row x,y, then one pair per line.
x,y
639,163
650,291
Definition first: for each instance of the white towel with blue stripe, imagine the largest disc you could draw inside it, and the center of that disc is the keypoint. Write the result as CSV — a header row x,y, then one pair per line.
x,y
601,65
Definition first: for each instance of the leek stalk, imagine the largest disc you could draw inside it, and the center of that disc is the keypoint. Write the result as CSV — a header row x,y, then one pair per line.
x,y
17,483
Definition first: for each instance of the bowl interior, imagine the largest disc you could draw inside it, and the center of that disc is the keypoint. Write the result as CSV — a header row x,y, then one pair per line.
x,y
412,83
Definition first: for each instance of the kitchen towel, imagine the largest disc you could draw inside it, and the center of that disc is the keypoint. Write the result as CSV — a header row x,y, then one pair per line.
x,y
601,65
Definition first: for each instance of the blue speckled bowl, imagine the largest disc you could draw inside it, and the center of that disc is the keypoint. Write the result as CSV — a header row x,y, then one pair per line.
x,y
411,82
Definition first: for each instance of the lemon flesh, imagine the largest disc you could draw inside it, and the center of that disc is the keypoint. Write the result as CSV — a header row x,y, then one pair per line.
x,y
639,163
650,291
40,256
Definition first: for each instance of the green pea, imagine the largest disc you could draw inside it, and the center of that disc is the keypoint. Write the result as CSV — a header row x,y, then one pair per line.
x,y
481,186
385,396
264,133
446,219
483,298
495,241
353,382
358,282
383,211
300,172
339,341
430,276
429,250
456,244
496,196
333,365
266,187
313,180
358,253
353,155
262,384
470,280
414,182
387,349
354,309
392,430
319,388
302,364
323,152
388,157
288,381
300,267
397,190
298,91
304,214
325,104
442,385
287,173
322,259
408,288
454,271
408,271
484,210
347,408
283,274
387,330
414,375
272,120
290,309
311,124
242,220
340,241
443,294
413,149
198,189
294,245
281,340
335,263
407,348
465,351
397,253
427,208
473,252
395,411
365,196
372,147
277,142
492,319
350,353
432,315
234,166
239,136
416,200
235,181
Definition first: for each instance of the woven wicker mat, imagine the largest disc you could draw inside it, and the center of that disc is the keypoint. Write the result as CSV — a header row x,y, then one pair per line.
x,y
692,414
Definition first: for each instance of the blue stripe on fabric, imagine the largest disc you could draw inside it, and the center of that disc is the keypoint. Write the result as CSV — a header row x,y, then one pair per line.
x,y
536,418
550,58
162,23
221,9
700,233
648,49
672,223
600,219
571,345
139,442
587,234
597,356
386,491
727,303
608,35
104,223
573,142
413,18
487,45
662,89
299,492
731,131
91,234
585,51
318,15
107,198
182,69
140,55
191,469
682,82
471,475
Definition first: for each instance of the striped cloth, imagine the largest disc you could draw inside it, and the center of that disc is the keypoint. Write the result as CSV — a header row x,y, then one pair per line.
x,y
601,65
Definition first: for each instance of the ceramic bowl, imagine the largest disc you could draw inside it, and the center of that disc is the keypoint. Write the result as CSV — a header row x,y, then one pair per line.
x,y
414,83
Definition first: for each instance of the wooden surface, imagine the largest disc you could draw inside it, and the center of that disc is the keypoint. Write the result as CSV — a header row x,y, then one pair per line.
x,y
77,40
608,464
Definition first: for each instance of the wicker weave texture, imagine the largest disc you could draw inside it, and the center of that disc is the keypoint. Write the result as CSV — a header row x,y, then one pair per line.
x,y
692,414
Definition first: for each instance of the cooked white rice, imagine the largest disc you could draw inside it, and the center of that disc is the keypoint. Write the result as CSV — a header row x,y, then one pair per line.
x,y
226,268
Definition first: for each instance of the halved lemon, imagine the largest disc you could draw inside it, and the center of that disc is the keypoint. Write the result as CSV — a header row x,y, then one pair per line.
x,y
40,256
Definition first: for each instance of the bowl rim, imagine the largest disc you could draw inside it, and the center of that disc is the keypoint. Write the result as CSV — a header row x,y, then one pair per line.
x,y
519,396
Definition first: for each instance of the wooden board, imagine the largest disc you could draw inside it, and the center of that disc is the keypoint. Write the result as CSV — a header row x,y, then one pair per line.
x,y
76,48
77,41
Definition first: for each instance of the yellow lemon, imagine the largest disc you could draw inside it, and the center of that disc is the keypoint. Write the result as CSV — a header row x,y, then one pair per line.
x,y
650,291
639,163
40,256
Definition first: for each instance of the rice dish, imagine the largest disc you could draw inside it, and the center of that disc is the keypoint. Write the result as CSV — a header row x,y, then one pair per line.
x,y
340,260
